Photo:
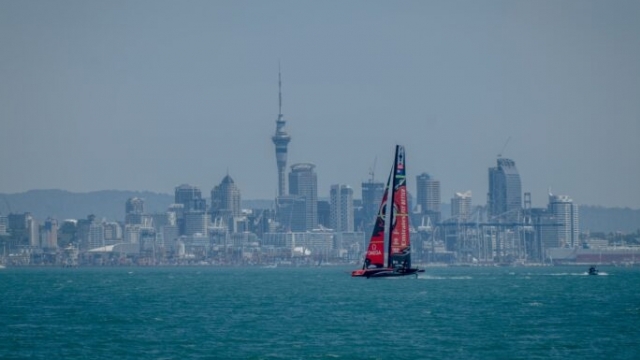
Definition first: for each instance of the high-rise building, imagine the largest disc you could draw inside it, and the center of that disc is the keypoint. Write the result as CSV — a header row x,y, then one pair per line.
x,y
504,200
112,232
281,139
225,199
50,234
372,193
190,196
324,214
34,231
565,213
461,206
303,183
341,213
195,222
131,234
134,210
96,234
134,205
428,194
193,206
292,213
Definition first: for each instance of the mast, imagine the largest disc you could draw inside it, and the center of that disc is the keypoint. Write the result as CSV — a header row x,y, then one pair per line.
x,y
399,242
390,205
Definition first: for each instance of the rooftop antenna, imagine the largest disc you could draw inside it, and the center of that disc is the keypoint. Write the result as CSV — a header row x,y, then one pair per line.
x,y
505,145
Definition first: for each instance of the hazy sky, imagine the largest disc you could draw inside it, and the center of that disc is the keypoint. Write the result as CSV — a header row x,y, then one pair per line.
x,y
148,95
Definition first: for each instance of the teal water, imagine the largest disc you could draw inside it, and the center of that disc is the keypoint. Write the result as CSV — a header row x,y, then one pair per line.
x,y
318,313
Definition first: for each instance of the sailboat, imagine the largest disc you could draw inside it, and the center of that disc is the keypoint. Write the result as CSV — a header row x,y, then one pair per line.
x,y
394,259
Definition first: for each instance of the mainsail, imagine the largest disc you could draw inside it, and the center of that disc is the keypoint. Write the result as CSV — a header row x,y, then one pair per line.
x,y
399,244
375,251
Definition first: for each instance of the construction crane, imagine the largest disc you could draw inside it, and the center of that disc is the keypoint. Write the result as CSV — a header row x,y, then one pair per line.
x,y
504,147
372,170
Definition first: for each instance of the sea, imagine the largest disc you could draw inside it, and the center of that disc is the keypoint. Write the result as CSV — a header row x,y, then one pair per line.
x,y
318,313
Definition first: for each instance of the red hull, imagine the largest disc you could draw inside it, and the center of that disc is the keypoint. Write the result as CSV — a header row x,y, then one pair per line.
x,y
384,272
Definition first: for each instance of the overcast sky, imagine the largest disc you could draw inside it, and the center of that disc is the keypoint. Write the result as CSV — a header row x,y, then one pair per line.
x,y
148,95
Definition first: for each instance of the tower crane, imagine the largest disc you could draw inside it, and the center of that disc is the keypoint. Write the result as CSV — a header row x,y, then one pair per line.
x,y
504,147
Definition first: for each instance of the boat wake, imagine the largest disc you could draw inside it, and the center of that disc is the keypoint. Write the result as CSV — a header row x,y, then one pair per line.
x,y
433,277
601,273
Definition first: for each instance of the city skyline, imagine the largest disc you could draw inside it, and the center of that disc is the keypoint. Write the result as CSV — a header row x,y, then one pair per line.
x,y
150,95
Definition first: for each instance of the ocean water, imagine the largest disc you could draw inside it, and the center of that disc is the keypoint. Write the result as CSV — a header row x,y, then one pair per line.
x,y
318,313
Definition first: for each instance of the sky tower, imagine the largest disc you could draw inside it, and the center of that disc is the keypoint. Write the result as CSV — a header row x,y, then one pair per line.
x,y
281,140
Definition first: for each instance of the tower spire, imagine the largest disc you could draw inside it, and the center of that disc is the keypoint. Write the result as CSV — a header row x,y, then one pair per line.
x,y
279,93
281,140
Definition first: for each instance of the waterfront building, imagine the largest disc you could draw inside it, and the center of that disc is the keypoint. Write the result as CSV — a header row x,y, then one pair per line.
x,y
341,213
461,206
428,197
303,183
301,243
504,200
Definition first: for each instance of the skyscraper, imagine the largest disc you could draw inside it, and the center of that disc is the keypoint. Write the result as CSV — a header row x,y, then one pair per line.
x,y
193,208
225,199
134,209
371,196
428,193
50,234
565,213
504,200
461,206
303,183
341,208
291,213
190,196
281,140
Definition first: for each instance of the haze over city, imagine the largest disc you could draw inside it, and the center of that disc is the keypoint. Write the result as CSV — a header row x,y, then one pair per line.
x,y
147,95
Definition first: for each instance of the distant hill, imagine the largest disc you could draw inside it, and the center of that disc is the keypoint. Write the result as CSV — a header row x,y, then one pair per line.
x,y
60,204
602,219
110,204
